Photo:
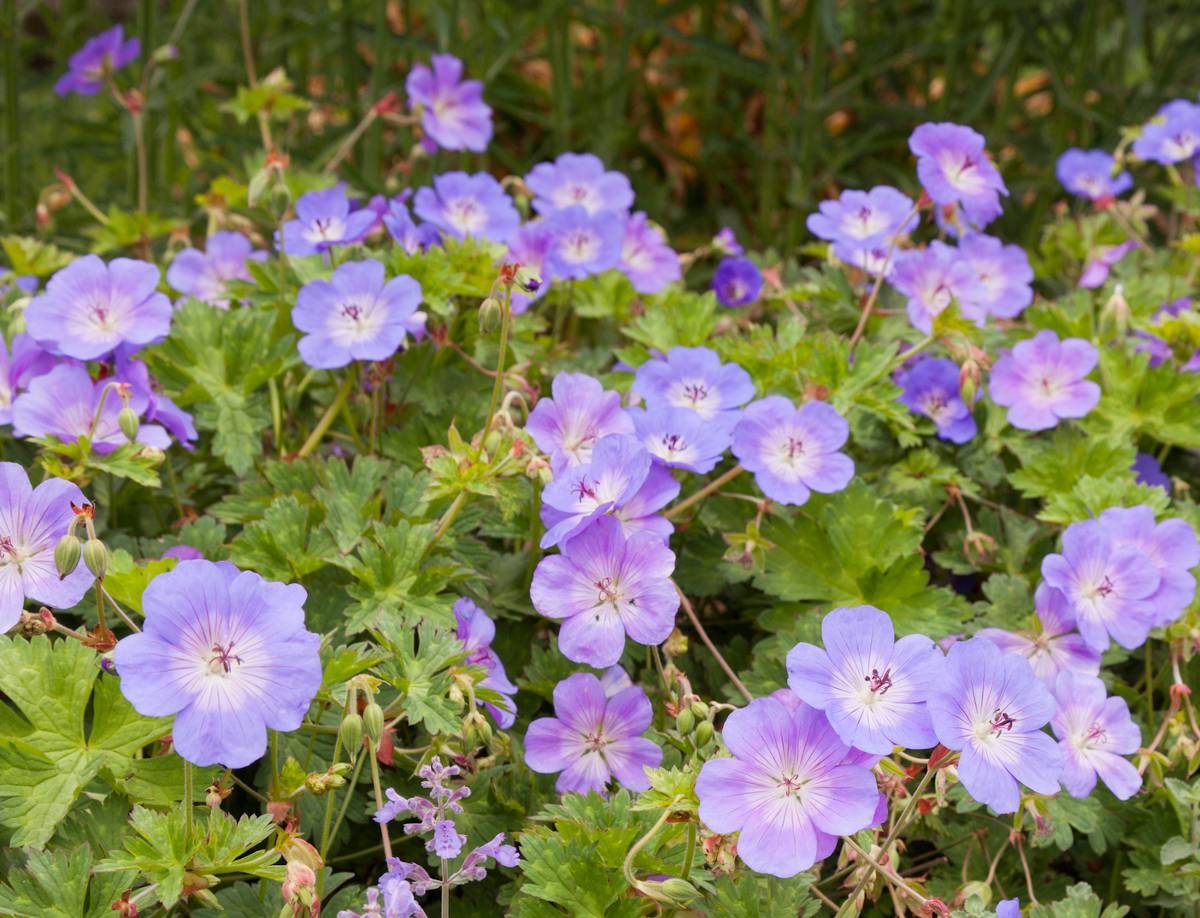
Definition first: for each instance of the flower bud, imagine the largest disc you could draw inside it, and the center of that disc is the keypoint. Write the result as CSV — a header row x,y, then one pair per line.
x,y
704,734
373,722
127,420
95,556
700,709
685,720
489,315
300,890
679,891
66,554
351,732
968,381
279,200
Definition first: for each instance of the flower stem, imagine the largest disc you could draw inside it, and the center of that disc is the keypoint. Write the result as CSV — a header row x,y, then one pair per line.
x,y
99,606
139,144
350,786
885,869
445,889
721,661
447,520
187,801
264,124
627,866
691,851
874,294
387,841
335,406
129,622
715,485
499,382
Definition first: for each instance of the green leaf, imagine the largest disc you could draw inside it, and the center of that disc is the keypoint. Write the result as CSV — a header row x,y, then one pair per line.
x,y
390,584
1053,466
27,255
419,670
59,884
126,579
1080,902
286,544
1090,496
749,895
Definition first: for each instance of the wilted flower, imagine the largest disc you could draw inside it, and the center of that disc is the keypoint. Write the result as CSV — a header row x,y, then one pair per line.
x,y
100,56
693,378
931,388
1091,174
323,220
1094,732
463,205
737,281
646,258
593,738
582,244
204,275
569,425
227,653
1042,381
453,113
578,179
954,169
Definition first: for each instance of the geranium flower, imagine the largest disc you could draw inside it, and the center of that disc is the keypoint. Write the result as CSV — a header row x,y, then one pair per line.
x,y
323,220
1170,546
870,686
693,378
462,205
1052,649
1042,381
931,388
581,412
604,587
1094,732
593,738
1148,471
100,55
412,237
227,653
356,315
646,258
991,708
1096,271
954,169
932,278
578,180
737,281
582,244
204,275
1002,276
1091,174
862,219
476,631
787,784
1172,136
793,451
529,248
90,308
680,438
26,361
32,520
453,113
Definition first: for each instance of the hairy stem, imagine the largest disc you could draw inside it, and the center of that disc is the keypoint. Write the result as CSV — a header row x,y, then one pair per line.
x,y
721,661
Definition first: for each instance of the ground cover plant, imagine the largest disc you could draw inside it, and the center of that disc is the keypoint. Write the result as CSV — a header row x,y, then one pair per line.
x,y
476,548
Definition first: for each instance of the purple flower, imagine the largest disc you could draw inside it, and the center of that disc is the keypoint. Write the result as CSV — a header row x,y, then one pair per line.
x,y
694,378
593,738
646,258
462,205
204,275
931,388
726,242
32,520
582,244
582,494
1170,546
1095,272
446,843
63,404
529,248
1094,732
227,653
476,631
863,219
870,686
954,169
578,179
680,438
1149,472
356,315
158,408
26,362
932,278
411,236
1173,135
604,586
787,785
453,113
1041,381
614,679
1002,275
568,426
100,55
793,451
1053,649
323,220
1008,908
183,553
502,854
737,281
1107,585
394,806
989,706
90,308
1091,174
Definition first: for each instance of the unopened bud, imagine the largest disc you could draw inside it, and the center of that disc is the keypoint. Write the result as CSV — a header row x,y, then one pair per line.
x,y
279,200
685,720
968,381
704,734
95,556
351,733
66,554
679,891
373,722
127,420
489,315
1118,307
700,709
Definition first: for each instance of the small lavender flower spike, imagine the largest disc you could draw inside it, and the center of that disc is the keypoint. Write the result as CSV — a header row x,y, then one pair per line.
x,y
787,785
32,520
578,179
646,258
694,378
569,425
870,686
1042,381
205,275
323,220
1053,649
100,55
1002,275
932,278
604,587
989,706
227,653
737,282
793,451
931,388
462,205
1171,547
592,738
453,113
1091,174
864,219
1173,135
476,630
1094,732
954,169
356,315
90,308
679,438
582,244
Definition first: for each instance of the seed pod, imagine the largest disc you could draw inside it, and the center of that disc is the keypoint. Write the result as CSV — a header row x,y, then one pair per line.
x,y
704,734
685,720
351,732
95,556
127,420
66,554
373,722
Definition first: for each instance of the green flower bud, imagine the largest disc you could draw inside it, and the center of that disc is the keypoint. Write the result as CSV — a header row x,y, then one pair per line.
x,y
679,891
127,420
66,554
685,720
95,556
351,732
700,709
373,722
279,200
704,734
489,315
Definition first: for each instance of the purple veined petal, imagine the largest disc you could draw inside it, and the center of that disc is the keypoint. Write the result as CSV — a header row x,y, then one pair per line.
x,y
987,782
778,839
580,702
12,597
589,772
628,714
206,735
1079,772
728,793
154,674
597,639
842,800
810,674
550,745
628,759
1118,775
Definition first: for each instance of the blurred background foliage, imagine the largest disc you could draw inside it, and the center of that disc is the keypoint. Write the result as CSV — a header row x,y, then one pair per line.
x,y
722,112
